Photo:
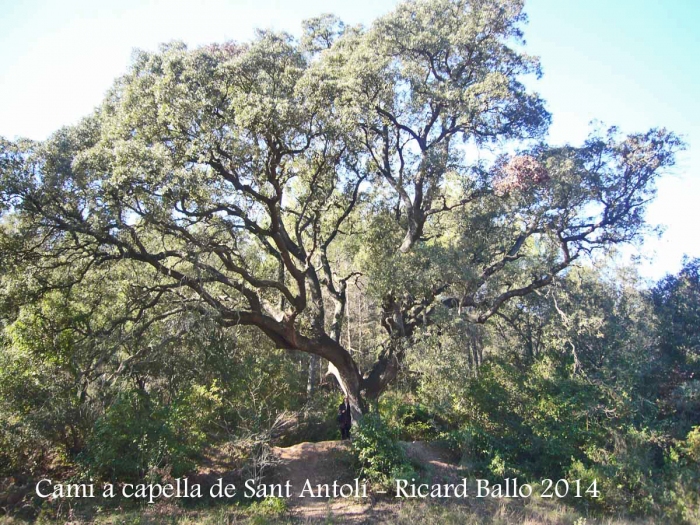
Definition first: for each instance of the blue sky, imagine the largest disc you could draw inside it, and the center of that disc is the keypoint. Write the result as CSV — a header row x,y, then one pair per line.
x,y
629,63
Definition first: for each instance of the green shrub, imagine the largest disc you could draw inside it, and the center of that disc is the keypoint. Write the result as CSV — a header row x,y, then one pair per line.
x,y
412,421
379,455
692,445
138,436
32,430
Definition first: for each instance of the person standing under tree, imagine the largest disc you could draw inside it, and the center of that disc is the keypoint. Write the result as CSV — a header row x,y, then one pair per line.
x,y
344,419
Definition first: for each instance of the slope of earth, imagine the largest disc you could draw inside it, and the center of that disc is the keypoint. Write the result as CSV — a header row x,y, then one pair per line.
x,y
322,464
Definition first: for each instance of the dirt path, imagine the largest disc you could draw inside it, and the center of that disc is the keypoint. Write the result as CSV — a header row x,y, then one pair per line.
x,y
328,461
434,460
320,463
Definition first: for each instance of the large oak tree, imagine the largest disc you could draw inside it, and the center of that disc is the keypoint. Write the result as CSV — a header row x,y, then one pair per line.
x,y
253,182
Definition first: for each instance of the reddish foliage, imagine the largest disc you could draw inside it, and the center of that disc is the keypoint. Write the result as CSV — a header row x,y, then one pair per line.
x,y
518,173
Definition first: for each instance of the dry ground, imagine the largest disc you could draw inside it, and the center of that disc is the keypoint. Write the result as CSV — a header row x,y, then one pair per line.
x,y
326,461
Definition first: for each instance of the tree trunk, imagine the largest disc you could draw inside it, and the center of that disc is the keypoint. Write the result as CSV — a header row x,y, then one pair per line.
x,y
350,382
312,380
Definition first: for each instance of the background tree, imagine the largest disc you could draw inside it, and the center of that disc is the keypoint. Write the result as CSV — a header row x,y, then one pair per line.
x,y
251,183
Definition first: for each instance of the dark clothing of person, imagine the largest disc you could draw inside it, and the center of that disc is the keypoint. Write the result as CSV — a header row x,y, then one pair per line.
x,y
344,420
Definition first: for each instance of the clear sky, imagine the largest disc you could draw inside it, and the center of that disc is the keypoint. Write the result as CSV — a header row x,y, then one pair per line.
x,y
630,63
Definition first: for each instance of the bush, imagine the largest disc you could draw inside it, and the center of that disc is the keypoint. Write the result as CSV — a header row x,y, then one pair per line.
x,y
379,455
34,432
412,421
138,436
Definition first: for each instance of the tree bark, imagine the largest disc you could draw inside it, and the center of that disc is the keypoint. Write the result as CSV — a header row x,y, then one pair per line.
x,y
312,380
350,381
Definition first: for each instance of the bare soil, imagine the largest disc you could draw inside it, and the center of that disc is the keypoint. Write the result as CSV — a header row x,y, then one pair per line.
x,y
434,460
328,461
320,463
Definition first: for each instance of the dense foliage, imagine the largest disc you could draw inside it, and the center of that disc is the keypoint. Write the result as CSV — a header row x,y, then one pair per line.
x,y
583,382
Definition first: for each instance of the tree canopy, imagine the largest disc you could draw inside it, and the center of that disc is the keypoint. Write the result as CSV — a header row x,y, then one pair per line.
x,y
252,183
